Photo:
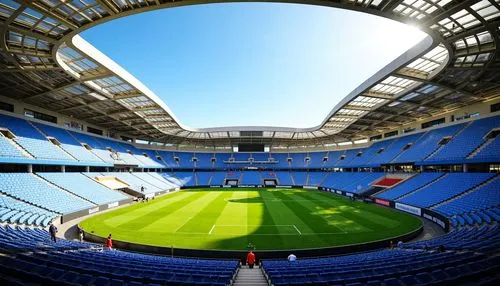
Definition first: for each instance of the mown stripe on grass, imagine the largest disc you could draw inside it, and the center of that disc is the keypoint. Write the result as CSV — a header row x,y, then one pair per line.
x,y
139,218
306,221
171,222
203,221
360,213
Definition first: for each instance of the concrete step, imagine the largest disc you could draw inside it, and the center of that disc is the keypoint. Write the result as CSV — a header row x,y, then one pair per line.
x,y
250,283
247,276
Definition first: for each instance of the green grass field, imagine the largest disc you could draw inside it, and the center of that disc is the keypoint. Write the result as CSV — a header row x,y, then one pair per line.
x,y
269,218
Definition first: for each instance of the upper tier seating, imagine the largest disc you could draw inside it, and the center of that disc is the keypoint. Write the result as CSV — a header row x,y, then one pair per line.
x,y
84,187
427,144
69,143
450,185
489,151
409,185
7,149
99,150
204,160
394,148
368,154
467,141
483,198
34,190
31,140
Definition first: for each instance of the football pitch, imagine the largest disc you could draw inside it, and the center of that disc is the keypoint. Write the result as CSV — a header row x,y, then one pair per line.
x,y
270,219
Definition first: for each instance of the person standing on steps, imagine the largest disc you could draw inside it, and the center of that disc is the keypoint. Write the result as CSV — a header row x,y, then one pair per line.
x,y
109,242
53,231
292,257
250,259
80,234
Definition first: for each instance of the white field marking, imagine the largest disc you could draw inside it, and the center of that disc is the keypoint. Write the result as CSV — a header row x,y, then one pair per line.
x,y
261,234
297,229
184,223
212,229
255,225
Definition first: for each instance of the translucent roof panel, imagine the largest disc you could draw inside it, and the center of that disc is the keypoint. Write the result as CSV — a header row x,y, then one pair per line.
x,y
7,8
486,10
365,101
392,85
41,23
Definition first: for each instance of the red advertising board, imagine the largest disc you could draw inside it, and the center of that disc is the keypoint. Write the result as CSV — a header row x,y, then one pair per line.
x,y
382,202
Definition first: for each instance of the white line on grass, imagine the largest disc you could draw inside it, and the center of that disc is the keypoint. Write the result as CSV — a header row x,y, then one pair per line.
x,y
297,229
261,234
210,232
184,223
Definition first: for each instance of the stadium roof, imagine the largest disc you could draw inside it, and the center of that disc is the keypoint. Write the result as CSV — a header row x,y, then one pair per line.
x,y
44,62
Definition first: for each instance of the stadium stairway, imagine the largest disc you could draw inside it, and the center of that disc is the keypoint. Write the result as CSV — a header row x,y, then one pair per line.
x,y
247,276
451,138
58,146
480,147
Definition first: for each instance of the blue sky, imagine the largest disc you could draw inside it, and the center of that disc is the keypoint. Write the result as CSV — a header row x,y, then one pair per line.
x,y
257,64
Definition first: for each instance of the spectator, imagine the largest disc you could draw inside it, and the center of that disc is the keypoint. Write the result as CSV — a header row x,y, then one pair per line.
x,y
441,248
400,244
109,242
80,234
292,257
391,245
142,189
250,259
53,231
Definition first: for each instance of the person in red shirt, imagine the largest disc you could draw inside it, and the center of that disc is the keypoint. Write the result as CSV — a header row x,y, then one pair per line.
x,y
250,259
109,242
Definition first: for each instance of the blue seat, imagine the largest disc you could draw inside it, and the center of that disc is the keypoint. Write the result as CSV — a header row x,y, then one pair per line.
x,y
476,218
484,216
84,279
409,280
439,275
468,219
392,282
374,283
101,281
461,220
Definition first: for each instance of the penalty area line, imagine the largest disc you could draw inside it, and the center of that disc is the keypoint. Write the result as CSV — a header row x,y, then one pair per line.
x,y
212,229
297,229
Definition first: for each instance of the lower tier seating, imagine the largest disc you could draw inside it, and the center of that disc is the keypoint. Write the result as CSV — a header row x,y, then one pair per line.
x,y
30,257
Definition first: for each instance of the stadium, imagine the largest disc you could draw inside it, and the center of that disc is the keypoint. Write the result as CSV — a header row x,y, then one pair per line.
x,y
398,185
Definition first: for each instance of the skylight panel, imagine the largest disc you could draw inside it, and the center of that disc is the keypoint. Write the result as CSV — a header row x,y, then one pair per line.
x,y
7,7
284,135
486,10
345,111
364,101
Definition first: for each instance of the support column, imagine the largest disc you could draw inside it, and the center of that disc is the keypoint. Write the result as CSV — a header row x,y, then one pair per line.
x,y
87,169
421,168
30,168
465,168
63,169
